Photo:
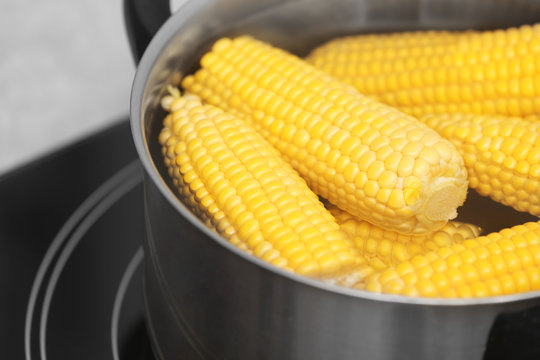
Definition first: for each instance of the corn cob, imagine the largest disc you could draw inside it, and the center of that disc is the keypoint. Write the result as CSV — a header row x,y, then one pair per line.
x,y
382,248
373,52
489,72
367,158
501,263
248,192
502,155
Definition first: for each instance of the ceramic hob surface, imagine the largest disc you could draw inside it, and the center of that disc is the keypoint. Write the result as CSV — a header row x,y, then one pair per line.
x,y
71,228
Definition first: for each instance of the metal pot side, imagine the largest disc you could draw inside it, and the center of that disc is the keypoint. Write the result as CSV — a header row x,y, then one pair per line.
x,y
208,300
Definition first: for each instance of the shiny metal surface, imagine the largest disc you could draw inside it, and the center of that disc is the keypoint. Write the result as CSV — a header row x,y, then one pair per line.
x,y
230,305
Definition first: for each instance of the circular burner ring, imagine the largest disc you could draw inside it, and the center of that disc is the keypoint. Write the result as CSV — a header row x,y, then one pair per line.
x,y
62,258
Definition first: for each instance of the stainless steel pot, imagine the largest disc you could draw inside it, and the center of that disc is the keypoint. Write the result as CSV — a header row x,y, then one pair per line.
x,y
207,300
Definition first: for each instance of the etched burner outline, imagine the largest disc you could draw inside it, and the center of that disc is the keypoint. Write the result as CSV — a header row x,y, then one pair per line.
x,y
90,210
134,263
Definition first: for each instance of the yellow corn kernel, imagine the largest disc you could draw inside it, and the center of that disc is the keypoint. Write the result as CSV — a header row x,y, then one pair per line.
x,y
239,185
509,171
482,72
382,248
496,264
343,143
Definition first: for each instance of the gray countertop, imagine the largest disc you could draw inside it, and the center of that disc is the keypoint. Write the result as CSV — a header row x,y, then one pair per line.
x,y
65,72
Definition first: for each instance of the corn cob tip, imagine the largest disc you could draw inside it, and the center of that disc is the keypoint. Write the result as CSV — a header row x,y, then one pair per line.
x,y
354,277
173,93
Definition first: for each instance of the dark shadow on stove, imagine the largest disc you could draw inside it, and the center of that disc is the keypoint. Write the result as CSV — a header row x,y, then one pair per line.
x,y
137,344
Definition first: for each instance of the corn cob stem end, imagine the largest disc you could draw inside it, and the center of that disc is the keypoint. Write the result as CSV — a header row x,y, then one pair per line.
x,y
444,197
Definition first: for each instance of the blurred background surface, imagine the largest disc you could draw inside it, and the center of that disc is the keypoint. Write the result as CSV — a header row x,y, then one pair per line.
x,y
65,72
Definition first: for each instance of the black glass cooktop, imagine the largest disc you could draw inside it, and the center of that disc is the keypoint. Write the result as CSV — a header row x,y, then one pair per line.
x,y
71,228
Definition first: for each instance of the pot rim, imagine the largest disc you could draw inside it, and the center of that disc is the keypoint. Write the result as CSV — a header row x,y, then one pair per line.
x,y
156,46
